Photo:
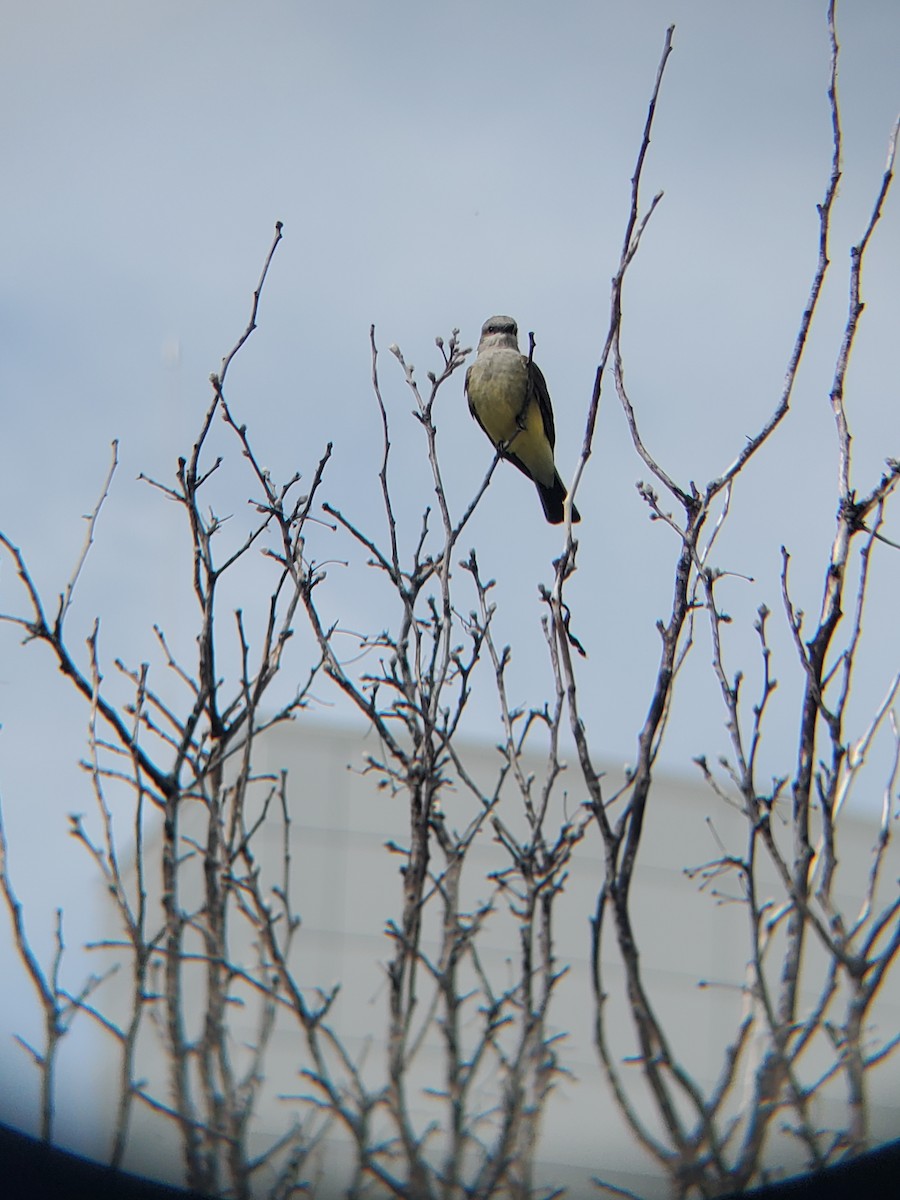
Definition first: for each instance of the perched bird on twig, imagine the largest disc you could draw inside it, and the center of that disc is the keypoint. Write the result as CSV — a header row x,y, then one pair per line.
x,y
508,398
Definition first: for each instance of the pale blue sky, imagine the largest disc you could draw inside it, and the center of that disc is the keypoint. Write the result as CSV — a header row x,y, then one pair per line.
x,y
432,165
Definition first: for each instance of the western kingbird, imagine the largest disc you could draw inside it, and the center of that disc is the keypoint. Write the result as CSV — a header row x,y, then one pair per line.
x,y
508,398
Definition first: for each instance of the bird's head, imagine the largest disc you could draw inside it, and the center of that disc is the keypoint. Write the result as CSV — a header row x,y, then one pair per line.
x,y
499,333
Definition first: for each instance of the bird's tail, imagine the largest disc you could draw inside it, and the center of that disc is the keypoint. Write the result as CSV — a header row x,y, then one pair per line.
x,y
552,499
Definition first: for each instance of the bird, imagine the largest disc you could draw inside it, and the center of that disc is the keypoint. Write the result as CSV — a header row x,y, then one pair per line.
x,y
508,397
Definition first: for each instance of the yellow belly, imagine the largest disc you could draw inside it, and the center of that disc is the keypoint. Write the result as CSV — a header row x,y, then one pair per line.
x,y
497,390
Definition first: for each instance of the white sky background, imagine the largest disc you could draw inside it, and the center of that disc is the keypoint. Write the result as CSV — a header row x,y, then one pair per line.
x,y
432,164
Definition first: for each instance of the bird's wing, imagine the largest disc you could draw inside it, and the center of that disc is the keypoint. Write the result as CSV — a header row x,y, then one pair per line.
x,y
537,387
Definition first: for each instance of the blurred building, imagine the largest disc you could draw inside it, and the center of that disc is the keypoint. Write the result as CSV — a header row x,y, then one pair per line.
x,y
346,886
